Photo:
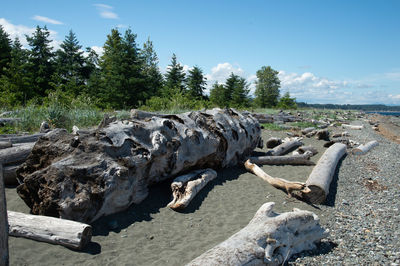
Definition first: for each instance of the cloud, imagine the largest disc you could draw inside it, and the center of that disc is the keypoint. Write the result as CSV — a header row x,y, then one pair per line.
x,y
393,76
47,20
106,11
395,97
99,50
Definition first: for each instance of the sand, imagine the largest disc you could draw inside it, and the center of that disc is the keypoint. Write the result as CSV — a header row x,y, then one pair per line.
x,y
152,234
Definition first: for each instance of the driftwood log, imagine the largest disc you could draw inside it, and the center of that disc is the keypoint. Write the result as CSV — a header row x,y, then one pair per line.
x,y
321,176
270,238
273,142
4,259
16,154
322,134
185,187
304,149
300,159
10,175
49,229
84,177
284,148
354,127
364,148
307,130
14,139
5,144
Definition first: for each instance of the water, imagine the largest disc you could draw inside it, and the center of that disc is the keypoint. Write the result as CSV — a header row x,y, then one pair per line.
x,y
385,113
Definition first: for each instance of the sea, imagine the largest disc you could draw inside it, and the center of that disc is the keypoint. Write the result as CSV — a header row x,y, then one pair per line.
x,y
385,113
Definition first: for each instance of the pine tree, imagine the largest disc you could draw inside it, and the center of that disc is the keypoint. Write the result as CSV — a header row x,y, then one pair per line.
x,y
151,72
41,61
240,94
286,102
5,50
174,78
217,95
196,83
267,87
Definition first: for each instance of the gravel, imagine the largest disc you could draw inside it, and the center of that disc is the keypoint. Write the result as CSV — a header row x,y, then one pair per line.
x,y
363,209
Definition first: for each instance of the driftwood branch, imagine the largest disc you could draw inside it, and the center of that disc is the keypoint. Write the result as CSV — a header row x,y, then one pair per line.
x,y
300,159
284,148
364,148
49,229
321,176
269,238
185,187
4,259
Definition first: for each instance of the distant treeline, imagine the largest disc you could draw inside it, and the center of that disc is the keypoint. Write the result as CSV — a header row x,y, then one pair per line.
x,y
363,107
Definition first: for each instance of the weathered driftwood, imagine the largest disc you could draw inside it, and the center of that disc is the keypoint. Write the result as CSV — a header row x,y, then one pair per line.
x,y
16,154
304,149
321,176
354,127
307,130
84,177
49,229
270,238
291,188
185,187
364,148
310,134
342,134
21,139
5,144
263,118
273,142
337,140
4,259
300,159
284,148
44,127
322,134
10,174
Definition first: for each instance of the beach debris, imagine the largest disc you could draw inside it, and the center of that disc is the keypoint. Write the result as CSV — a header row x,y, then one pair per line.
x,y
4,256
107,169
185,187
5,144
52,230
304,149
321,176
270,238
11,158
354,127
286,146
273,142
322,134
342,134
364,148
15,139
299,159
307,130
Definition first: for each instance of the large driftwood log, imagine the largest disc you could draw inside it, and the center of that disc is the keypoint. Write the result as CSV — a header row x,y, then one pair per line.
x,y
185,187
284,148
364,148
300,159
270,238
21,139
4,259
49,229
321,176
5,144
84,177
16,154
291,188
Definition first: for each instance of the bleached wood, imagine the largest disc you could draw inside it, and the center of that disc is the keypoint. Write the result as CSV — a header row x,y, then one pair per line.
x,y
321,176
21,139
270,238
308,130
291,188
354,127
16,154
185,187
304,149
4,257
342,134
284,148
5,144
49,229
364,148
301,159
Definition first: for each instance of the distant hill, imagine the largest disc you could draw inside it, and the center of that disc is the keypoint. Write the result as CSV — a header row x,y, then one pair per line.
x,y
363,107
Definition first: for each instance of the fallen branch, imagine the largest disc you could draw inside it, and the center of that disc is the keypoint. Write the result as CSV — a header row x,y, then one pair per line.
x,y
364,148
49,229
291,188
301,159
284,148
269,238
185,187
321,176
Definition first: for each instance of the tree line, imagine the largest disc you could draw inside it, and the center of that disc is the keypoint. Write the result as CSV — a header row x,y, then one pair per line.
x,y
125,76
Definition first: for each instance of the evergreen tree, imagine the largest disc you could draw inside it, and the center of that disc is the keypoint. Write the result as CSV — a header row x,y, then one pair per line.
x,y
196,83
286,102
174,78
41,61
217,95
151,72
230,84
240,94
267,87
5,50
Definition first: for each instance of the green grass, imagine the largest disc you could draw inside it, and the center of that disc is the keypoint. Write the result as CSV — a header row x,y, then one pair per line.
x,y
303,124
272,126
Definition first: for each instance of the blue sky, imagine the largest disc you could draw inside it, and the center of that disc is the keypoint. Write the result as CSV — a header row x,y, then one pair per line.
x,y
326,51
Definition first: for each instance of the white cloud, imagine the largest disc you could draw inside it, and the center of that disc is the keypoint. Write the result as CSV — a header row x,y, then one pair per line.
x,y
393,76
395,97
16,31
106,11
47,20
99,50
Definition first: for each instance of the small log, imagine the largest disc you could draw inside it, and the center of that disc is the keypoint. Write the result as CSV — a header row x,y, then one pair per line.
x,y
301,159
321,176
343,134
5,144
310,134
307,130
10,175
291,188
364,148
22,139
185,187
337,140
322,134
304,149
273,142
4,258
16,154
52,230
284,148
354,127
270,238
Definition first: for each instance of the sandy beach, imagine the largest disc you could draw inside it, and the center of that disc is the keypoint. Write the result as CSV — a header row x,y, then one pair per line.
x,y
151,234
